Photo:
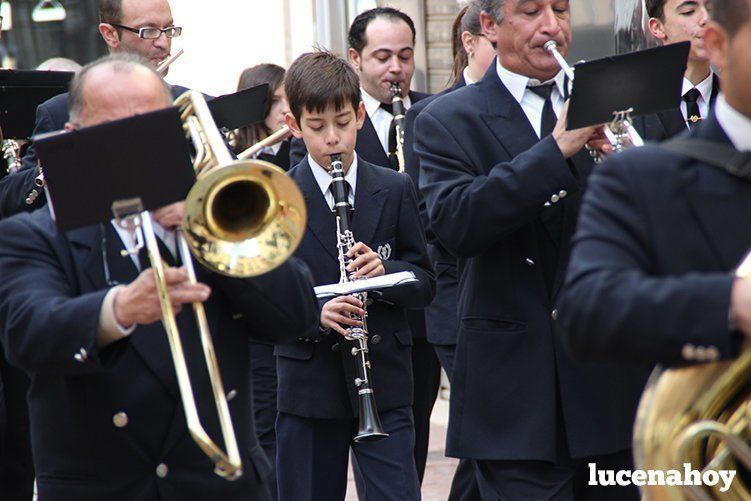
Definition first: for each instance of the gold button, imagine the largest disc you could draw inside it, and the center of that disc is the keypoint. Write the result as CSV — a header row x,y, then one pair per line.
x,y
713,354
120,419
162,470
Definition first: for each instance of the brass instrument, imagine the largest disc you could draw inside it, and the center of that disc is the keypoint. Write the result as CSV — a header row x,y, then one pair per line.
x,y
397,103
369,425
274,138
164,65
698,414
620,132
242,219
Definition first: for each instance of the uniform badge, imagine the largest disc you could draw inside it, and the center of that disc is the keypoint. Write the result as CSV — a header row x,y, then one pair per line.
x,y
384,251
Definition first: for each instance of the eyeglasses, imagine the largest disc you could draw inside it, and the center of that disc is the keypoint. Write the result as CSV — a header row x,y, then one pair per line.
x,y
150,33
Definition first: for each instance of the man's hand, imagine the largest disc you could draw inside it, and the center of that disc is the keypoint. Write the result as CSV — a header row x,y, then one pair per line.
x,y
338,311
571,141
367,262
169,217
138,302
740,305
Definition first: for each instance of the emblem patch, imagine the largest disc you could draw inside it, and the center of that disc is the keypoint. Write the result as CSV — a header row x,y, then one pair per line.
x,y
384,252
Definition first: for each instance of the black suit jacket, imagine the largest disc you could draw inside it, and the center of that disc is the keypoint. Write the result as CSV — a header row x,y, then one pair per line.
x,y
666,124
50,298
652,261
51,116
492,189
441,323
316,379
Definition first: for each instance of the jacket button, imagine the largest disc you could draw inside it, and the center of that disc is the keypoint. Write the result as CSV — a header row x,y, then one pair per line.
x,y
555,198
554,314
688,352
120,419
529,261
375,339
231,394
162,470
335,347
563,193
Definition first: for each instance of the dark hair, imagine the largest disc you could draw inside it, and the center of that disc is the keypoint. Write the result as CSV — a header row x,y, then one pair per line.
x,y
468,20
121,63
656,9
356,35
110,11
320,79
730,14
494,8
266,73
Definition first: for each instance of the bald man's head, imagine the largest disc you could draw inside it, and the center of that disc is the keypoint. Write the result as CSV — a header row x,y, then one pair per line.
x,y
115,87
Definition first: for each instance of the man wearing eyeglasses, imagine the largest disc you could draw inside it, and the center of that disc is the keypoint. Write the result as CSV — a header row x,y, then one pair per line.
x,y
141,27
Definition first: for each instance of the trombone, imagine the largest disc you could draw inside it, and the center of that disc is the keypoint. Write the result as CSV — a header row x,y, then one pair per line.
x,y
620,132
242,219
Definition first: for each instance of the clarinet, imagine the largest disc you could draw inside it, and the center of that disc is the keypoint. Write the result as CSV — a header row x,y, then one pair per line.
x,y
369,429
397,105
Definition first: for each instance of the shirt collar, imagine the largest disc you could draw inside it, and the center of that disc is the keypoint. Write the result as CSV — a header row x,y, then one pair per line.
x,y
736,125
372,105
467,77
323,178
704,87
517,84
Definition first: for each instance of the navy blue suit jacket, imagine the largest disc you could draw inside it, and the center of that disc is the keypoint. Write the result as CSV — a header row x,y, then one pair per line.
x,y
492,188
316,379
440,317
51,116
50,298
652,259
666,124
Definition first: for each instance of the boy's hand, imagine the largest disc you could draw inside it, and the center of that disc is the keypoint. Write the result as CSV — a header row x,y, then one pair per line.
x,y
337,312
367,262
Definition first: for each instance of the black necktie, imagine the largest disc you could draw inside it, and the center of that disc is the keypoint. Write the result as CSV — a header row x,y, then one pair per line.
x,y
547,124
693,114
164,252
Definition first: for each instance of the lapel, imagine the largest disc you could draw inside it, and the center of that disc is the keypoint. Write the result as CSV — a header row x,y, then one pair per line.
x,y
369,147
369,202
720,202
504,115
672,122
149,341
321,220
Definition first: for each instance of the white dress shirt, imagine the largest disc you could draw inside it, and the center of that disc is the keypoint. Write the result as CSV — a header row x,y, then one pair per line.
x,y
705,89
381,118
108,329
323,178
530,102
467,77
735,124
269,150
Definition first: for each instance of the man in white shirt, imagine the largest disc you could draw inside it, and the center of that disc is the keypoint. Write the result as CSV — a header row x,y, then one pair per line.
x,y
502,180
652,276
106,414
673,21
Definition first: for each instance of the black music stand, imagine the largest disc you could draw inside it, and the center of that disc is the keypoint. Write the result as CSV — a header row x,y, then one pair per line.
x,y
644,82
21,91
144,158
240,109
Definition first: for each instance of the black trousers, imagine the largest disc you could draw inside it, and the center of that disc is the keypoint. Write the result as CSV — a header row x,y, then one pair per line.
x,y
565,481
16,466
427,380
263,380
464,486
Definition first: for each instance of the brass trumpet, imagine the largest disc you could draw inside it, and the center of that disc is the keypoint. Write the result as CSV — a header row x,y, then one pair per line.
x,y
620,132
242,219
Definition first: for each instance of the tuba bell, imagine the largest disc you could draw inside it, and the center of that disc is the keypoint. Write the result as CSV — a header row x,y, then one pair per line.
x,y
701,415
